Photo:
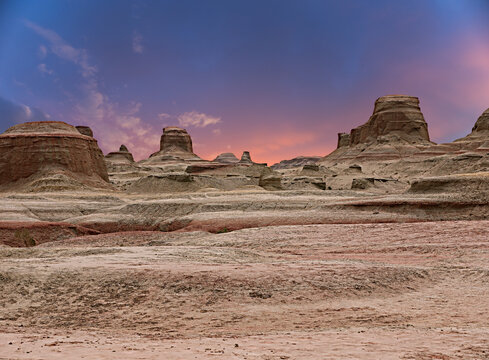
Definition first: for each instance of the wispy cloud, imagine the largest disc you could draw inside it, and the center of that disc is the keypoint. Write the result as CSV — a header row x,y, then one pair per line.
x,y
194,118
112,123
44,69
137,43
43,51
64,50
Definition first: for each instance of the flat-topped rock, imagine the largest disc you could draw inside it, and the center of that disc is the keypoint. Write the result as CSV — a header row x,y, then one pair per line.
x,y
397,116
175,139
50,147
175,146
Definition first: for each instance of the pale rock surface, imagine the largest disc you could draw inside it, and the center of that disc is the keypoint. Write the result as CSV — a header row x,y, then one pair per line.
x,y
297,162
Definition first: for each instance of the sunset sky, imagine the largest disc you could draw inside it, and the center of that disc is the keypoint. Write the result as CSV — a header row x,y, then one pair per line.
x,y
276,77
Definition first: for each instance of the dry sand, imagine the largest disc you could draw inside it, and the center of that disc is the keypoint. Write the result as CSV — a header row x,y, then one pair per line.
x,y
358,291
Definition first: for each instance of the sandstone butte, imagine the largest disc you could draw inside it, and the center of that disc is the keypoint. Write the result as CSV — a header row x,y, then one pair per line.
x,y
44,147
176,145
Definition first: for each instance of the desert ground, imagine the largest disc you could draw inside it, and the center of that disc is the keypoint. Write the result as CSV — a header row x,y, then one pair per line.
x,y
334,291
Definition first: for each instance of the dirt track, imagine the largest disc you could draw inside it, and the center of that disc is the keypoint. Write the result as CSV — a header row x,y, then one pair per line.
x,y
378,291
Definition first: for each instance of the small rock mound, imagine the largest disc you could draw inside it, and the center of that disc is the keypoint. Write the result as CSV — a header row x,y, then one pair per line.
x,y
123,155
226,158
246,158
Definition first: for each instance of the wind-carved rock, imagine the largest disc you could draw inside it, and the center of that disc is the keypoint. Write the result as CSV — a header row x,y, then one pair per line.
x,y
343,140
396,129
226,158
482,123
175,139
50,147
246,158
175,145
122,155
478,140
395,117
84,130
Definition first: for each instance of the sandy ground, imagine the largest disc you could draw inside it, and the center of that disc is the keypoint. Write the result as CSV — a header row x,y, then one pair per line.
x,y
358,291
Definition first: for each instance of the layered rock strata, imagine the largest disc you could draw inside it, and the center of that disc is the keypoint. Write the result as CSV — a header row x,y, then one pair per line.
x,y
396,116
175,145
226,158
85,130
50,147
122,155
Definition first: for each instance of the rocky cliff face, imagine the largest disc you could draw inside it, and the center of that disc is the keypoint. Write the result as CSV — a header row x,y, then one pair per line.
x,y
85,130
343,140
50,147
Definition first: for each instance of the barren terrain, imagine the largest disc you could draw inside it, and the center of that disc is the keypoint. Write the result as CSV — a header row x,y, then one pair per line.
x,y
337,291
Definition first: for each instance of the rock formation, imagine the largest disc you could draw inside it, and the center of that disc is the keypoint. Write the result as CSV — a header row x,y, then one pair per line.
x,y
396,117
297,162
226,158
343,140
246,158
175,145
50,147
85,130
482,123
395,130
478,140
122,155
175,139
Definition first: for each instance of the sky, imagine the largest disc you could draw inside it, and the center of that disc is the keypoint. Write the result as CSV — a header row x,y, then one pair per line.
x,y
278,78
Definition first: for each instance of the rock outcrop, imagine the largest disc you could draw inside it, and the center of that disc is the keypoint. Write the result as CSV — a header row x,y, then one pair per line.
x,y
122,155
478,140
297,162
246,158
40,149
175,145
85,130
226,158
395,118
343,140
396,129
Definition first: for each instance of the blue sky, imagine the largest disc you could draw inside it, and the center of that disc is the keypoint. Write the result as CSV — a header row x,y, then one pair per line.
x,y
278,78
